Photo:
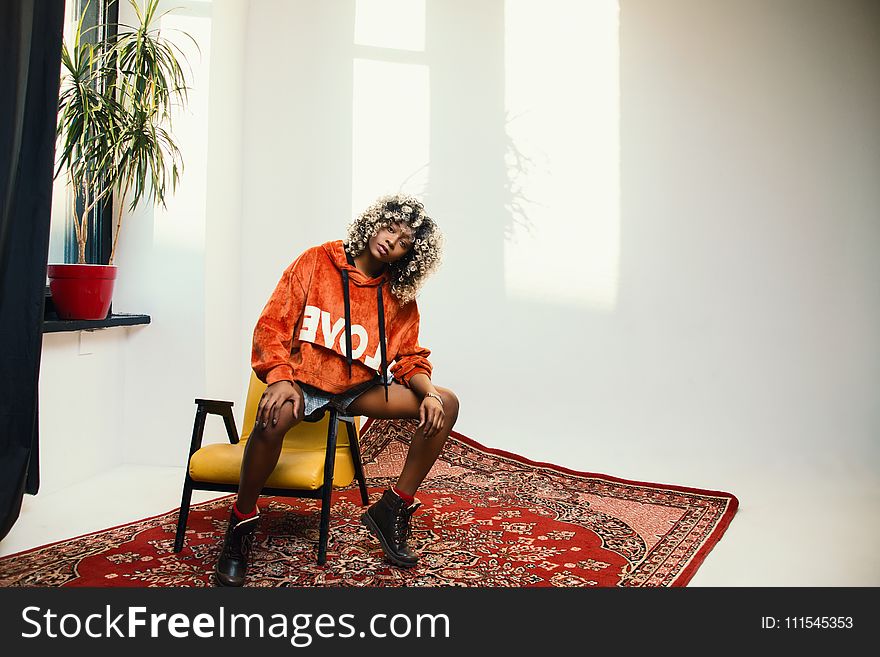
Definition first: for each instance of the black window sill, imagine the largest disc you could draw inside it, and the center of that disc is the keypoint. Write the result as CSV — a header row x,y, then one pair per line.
x,y
59,325
52,324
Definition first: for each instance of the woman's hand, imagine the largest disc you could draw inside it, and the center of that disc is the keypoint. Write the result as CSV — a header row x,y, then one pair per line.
x,y
431,416
274,397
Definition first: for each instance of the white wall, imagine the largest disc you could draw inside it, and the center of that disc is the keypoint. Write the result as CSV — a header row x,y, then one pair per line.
x,y
727,309
227,356
297,150
132,400
161,261
80,408
750,219
726,306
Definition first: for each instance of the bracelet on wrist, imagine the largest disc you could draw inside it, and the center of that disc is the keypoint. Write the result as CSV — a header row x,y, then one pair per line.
x,y
435,396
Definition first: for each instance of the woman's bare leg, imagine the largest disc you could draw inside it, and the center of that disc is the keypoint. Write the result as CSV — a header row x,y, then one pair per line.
x,y
404,403
388,519
261,456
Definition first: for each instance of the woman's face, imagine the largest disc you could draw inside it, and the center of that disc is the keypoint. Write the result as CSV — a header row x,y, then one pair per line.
x,y
391,243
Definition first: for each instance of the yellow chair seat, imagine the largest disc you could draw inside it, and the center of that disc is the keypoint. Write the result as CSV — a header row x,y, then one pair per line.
x,y
298,469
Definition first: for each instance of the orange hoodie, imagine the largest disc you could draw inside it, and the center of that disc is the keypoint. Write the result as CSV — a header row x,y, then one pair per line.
x,y
321,299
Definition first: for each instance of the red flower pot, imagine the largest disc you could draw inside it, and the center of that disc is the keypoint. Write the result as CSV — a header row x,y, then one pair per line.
x,y
82,291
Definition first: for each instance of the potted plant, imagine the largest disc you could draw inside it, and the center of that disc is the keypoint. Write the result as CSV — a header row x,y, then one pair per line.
x,y
114,128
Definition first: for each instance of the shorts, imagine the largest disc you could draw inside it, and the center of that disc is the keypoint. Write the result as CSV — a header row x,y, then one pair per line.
x,y
316,401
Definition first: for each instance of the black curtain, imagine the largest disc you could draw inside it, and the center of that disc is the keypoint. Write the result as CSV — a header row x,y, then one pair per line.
x,y
30,69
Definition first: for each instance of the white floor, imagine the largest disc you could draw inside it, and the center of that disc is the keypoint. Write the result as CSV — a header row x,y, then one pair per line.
x,y
121,495
820,532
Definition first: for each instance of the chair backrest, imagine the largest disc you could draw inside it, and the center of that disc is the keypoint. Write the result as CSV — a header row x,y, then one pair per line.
x,y
305,435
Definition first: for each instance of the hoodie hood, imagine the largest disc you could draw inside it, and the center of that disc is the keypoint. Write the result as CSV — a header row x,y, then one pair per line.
x,y
352,275
338,255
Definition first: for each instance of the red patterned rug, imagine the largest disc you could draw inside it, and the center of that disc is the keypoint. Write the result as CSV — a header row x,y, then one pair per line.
x,y
489,518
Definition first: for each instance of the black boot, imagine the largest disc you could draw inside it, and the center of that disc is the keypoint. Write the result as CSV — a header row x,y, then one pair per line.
x,y
389,520
233,562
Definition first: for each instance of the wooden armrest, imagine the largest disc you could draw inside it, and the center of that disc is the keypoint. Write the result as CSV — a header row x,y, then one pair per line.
x,y
214,405
204,407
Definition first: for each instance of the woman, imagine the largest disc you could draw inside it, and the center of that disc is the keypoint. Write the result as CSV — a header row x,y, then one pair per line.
x,y
341,313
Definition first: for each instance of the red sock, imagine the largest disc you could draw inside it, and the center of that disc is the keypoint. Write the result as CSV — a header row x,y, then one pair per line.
x,y
243,516
409,499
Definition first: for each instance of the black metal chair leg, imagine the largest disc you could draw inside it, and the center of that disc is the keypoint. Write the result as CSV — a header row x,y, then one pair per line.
x,y
356,458
327,490
183,514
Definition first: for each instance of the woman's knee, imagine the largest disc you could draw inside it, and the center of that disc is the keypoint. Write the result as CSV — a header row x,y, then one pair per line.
x,y
450,403
274,433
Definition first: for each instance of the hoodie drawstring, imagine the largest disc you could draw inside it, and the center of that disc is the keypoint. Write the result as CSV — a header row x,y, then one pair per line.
x,y
347,302
380,307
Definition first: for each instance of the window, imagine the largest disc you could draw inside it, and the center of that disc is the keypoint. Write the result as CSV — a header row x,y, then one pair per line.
x,y
62,240
62,237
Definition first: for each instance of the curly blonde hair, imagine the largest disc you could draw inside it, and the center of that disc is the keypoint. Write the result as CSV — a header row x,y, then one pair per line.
x,y
410,272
